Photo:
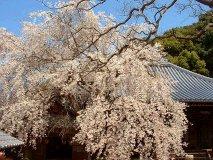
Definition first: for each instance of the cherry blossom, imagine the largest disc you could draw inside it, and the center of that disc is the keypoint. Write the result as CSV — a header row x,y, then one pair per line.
x,y
70,70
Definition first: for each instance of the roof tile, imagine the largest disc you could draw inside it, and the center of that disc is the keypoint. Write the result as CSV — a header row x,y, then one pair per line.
x,y
189,86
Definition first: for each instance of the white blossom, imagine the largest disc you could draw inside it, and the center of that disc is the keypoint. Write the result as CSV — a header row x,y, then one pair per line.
x,y
70,62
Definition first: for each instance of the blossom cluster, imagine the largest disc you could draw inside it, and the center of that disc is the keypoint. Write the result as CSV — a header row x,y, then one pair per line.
x,y
73,64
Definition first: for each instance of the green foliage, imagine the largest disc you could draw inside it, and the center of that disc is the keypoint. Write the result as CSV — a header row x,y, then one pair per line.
x,y
190,61
173,46
195,54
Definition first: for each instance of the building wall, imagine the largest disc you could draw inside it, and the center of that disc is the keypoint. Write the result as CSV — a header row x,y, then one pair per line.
x,y
200,132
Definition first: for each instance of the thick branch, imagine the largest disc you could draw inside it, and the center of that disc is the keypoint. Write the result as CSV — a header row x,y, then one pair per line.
x,y
206,2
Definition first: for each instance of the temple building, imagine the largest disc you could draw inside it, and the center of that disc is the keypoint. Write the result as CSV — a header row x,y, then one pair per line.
x,y
7,143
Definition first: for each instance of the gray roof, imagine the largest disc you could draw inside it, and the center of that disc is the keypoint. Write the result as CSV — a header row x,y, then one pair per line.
x,y
189,86
7,141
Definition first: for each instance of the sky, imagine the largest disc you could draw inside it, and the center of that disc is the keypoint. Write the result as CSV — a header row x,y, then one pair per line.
x,y
14,12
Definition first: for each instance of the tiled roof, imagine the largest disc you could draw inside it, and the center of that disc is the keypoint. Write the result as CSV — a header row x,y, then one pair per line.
x,y
7,141
189,86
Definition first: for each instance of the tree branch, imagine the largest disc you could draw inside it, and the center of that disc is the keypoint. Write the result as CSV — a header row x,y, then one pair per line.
x,y
206,2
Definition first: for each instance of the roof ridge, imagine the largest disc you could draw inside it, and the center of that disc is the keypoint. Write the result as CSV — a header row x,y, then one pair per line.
x,y
188,71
